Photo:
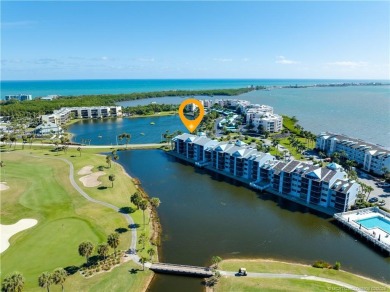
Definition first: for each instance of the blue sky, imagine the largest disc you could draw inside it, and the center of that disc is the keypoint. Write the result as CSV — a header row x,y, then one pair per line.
x,y
88,40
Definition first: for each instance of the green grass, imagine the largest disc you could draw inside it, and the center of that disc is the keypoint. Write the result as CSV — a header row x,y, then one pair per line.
x,y
40,189
264,266
233,284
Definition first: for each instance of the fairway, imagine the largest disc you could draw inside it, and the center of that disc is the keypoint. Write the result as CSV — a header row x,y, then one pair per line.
x,y
40,189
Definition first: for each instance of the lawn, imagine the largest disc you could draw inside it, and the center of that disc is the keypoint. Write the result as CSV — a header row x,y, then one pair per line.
x,y
40,189
265,266
233,284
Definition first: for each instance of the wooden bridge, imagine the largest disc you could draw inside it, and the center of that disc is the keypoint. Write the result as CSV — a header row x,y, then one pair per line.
x,y
182,270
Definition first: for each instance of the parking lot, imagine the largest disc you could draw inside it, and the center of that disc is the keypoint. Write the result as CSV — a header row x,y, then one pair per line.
x,y
382,193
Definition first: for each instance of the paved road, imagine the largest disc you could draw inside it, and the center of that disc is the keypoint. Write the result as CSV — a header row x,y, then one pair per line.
x,y
294,276
133,245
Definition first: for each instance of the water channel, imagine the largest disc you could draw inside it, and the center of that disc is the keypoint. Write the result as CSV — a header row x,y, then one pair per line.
x,y
204,215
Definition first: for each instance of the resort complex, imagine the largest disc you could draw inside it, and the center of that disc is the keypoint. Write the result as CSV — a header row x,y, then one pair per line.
x,y
326,189
63,115
370,157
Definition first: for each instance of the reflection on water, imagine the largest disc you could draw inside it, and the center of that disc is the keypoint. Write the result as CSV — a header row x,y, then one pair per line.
x,y
203,215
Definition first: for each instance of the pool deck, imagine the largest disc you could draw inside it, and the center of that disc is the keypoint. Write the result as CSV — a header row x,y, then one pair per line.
x,y
377,236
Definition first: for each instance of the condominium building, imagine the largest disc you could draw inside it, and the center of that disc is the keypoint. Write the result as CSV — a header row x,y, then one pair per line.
x,y
370,157
64,114
233,159
20,97
326,189
272,123
257,111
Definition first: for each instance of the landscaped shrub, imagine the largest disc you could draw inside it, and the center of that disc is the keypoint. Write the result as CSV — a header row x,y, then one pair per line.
x,y
337,266
101,168
322,264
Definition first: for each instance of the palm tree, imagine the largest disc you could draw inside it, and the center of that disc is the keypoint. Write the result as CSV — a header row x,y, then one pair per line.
x,y
216,260
111,177
85,249
151,252
369,190
108,161
126,136
275,142
155,202
113,241
143,205
79,150
13,282
102,250
142,239
143,260
59,276
13,140
136,199
45,280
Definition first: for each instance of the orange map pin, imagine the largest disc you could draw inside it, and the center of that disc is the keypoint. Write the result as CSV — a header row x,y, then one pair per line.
x,y
191,124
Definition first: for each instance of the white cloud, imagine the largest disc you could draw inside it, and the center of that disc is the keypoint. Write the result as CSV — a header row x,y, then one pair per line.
x,y
222,60
350,64
284,61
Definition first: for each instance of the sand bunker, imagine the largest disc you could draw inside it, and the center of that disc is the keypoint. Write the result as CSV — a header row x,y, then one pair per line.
x,y
3,186
91,180
85,170
7,231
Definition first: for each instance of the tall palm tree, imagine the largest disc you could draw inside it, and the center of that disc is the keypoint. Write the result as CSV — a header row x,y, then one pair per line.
x,y
113,241
85,249
108,161
102,250
79,150
143,260
59,276
111,177
151,252
45,280
143,205
136,199
142,239
13,282
369,190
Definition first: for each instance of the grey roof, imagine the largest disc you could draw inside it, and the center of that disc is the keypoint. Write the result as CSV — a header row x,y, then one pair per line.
x,y
344,139
291,166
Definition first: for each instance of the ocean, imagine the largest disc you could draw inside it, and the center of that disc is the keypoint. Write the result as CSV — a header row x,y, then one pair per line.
x,y
39,88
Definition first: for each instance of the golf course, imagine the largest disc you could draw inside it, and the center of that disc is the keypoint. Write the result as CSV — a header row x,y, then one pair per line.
x,y
39,189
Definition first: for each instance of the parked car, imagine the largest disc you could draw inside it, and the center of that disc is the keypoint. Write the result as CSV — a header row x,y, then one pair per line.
x,y
373,200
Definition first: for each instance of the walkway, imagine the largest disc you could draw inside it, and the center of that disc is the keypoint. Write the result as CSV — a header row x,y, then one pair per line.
x,y
294,276
129,146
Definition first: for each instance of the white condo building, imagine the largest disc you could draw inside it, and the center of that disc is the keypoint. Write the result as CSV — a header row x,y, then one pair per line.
x,y
370,157
64,114
327,189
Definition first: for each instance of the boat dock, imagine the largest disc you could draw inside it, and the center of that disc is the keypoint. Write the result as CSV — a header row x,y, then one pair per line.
x,y
181,270
376,235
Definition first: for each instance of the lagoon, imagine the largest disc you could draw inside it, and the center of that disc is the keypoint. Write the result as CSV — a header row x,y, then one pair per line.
x,y
203,215
106,131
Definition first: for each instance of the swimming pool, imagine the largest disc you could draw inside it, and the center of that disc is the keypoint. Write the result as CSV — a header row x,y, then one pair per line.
x,y
376,222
